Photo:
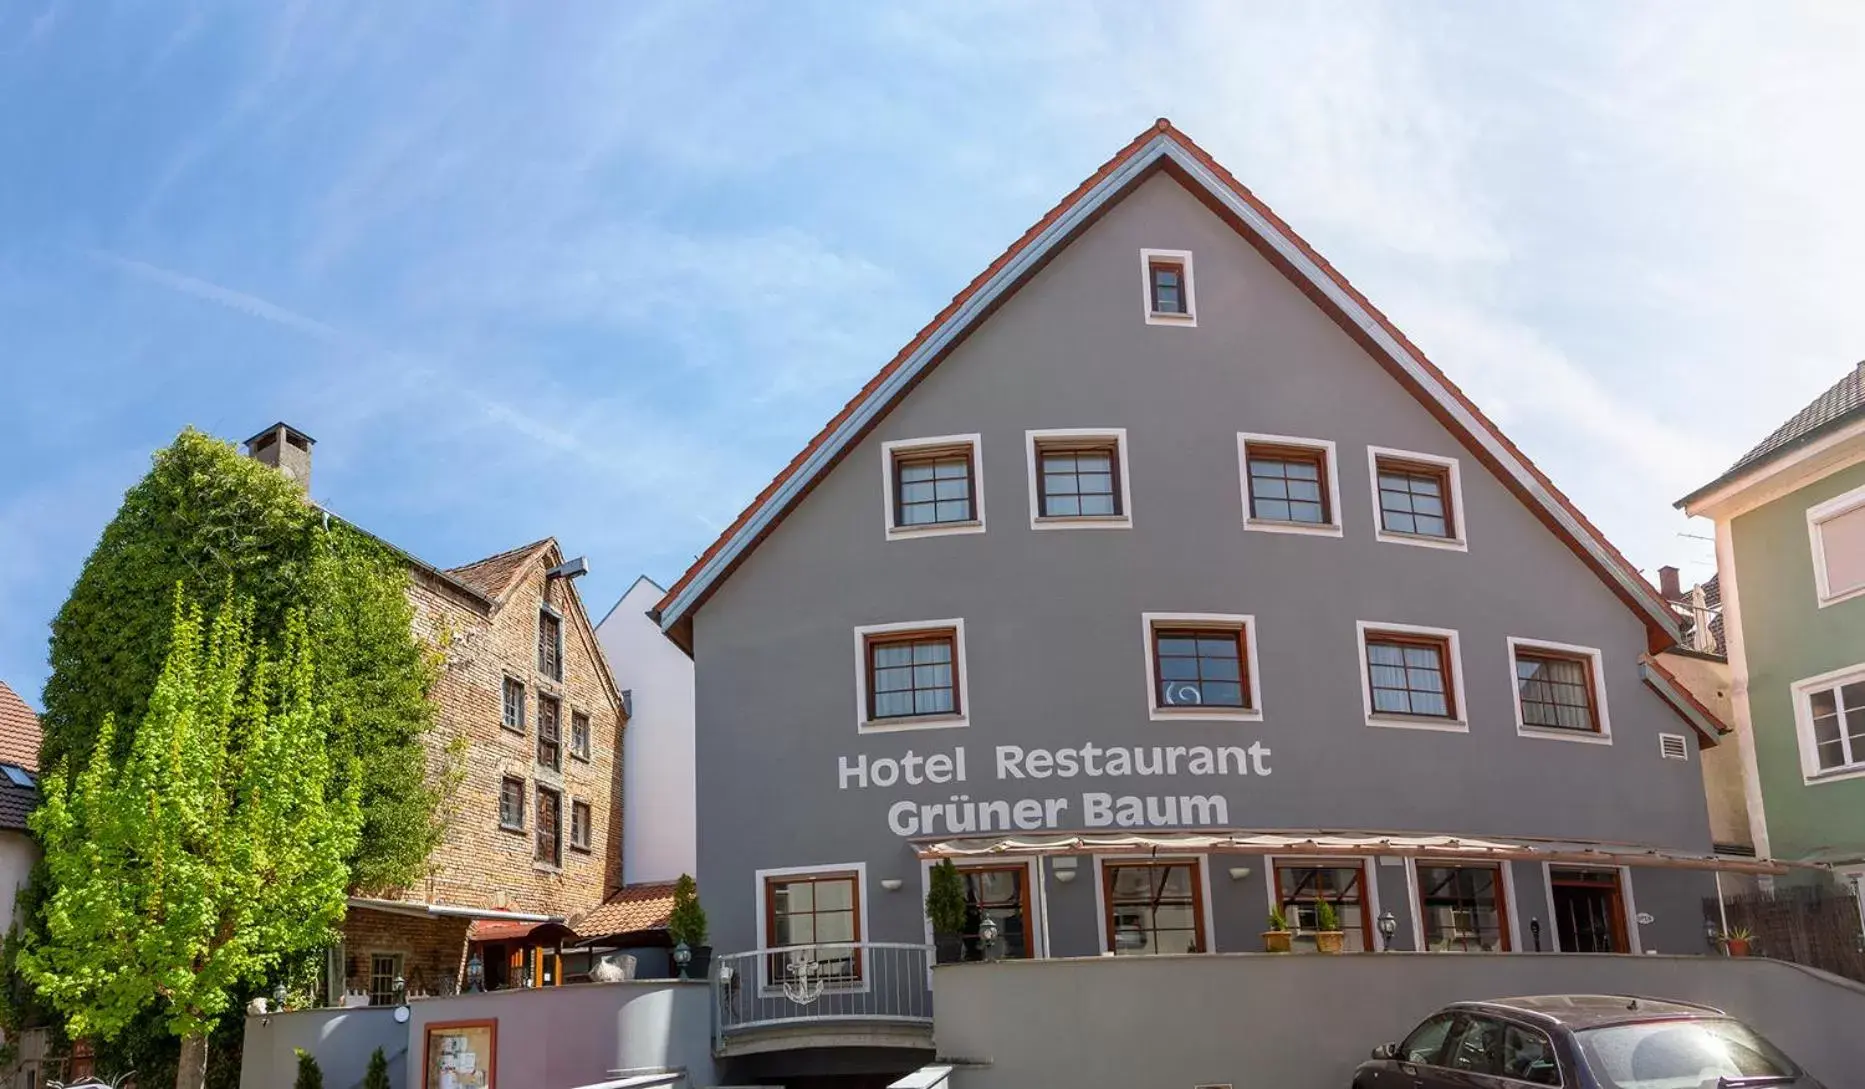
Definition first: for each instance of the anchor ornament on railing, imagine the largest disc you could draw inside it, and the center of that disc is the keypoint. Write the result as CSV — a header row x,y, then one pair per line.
x,y
803,980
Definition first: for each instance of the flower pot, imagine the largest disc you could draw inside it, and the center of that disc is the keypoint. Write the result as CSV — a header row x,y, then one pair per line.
x,y
1737,947
1329,941
1276,941
701,964
948,948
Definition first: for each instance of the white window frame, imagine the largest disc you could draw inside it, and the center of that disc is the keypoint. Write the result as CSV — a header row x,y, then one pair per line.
x,y
906,448
1802,691
1458,725
1183,258
863,724
1825,512
1415,894
1204,892
1218,621
766,988
1596,673
1459,538
1033,875
1325,447
1114,436
1369,881
1626,903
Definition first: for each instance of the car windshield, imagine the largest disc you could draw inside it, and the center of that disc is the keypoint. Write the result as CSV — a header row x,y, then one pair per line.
x,y
1679,1054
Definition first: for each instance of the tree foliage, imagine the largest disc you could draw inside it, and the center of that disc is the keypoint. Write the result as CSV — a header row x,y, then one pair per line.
x,y
377,1076
686,922
224,526
213,851
310,1075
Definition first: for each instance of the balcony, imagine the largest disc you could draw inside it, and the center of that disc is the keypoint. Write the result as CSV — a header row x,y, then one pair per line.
x,y
859,994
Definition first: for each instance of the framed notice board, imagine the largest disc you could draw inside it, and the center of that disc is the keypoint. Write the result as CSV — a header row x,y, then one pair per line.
x,y
461,1055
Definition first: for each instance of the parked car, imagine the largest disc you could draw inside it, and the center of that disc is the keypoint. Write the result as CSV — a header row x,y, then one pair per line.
x,y
1581,1042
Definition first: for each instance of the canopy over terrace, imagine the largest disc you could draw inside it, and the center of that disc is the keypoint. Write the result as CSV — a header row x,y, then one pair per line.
x,y
1360,844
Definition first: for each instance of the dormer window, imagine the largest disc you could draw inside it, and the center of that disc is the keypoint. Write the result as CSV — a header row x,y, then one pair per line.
x,y
1168,287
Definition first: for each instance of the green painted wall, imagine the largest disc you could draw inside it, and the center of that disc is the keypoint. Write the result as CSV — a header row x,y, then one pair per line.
x,y
1787,637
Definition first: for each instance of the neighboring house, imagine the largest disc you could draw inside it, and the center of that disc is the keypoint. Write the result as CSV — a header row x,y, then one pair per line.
x,y
1790,560
1157,602
1700,666
656,679
529,718
19,794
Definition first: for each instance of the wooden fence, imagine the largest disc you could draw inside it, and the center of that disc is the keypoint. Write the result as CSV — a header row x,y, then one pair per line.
x,y
1816,925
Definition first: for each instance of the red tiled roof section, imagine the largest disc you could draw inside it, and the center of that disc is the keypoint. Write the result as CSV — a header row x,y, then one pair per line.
x,y
494,574
19,731
635,908
1328,270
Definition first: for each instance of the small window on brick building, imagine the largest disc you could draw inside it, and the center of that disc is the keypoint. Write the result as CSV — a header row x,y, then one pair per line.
x,y
549,826
579,735
512,804
550,645
384,970
549,737
579,826
514,705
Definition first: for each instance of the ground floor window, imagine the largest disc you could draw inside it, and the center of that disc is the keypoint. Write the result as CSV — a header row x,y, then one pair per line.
x,y
384,970
1001,893
1462,908
1302,886
820,916
1153,908
1589,910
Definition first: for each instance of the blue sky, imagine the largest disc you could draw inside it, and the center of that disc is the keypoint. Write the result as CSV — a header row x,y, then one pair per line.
x,y
596,270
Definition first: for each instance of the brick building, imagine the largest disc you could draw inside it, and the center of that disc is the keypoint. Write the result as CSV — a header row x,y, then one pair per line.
x,y
530,721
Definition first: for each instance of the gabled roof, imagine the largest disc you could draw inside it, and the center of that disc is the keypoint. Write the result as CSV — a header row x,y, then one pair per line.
x,y
493,576
1163,147
1841,404
19,731
631,910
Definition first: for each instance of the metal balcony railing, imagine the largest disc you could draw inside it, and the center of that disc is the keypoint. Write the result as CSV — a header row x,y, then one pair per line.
x,y
845,981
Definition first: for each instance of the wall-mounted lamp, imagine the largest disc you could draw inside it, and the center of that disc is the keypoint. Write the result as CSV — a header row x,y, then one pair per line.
x,y
891,884
1065,869
1238,873
1388,926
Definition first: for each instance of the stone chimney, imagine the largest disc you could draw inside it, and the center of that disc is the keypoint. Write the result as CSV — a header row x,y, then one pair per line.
x,y
1668,584
286,449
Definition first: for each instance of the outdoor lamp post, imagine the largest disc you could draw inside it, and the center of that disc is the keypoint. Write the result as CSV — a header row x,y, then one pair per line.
x,y
278,999
1534,929
987,937
1710,932
475,974
682,956
1388,926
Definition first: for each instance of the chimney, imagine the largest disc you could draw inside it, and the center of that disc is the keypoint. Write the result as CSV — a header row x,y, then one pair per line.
x,y
1668,585
286,449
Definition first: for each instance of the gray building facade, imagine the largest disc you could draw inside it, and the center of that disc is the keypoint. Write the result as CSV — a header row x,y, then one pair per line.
x,y
1154,580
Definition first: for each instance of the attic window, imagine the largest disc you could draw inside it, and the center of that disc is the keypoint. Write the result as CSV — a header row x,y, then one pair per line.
x,y
1169,298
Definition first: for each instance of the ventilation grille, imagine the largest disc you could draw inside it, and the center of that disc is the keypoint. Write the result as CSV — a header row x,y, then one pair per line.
x,y
1674,746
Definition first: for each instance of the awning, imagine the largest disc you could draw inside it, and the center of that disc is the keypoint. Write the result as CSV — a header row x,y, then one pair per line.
x,y
511,930
416,907
1569,852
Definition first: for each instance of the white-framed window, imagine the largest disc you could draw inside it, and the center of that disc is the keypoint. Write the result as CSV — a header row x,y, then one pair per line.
x,y
1411,677
1078,478
1008,889
1154,905
1201,667
932,487
911,676
813,919
1290,484
1836,529
1462,905
1829,714
1417,498
1167,288
1560,691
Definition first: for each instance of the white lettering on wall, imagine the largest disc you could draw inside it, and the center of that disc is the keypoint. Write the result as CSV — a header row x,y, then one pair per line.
x,y
961,814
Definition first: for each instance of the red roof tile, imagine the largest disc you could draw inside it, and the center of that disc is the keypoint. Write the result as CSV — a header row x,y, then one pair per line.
x,y
637,907
19,731
1639,596
494,575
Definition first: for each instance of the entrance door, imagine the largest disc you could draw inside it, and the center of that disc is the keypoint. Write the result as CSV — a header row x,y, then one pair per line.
x,y
1589,911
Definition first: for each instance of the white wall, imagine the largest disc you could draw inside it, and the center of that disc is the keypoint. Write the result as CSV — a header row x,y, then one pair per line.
x,y
17,854
657,768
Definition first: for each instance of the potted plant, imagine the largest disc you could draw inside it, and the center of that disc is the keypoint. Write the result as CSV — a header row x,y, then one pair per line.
x,y
1328,936
945,908
1736,941
687,923
1276,939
